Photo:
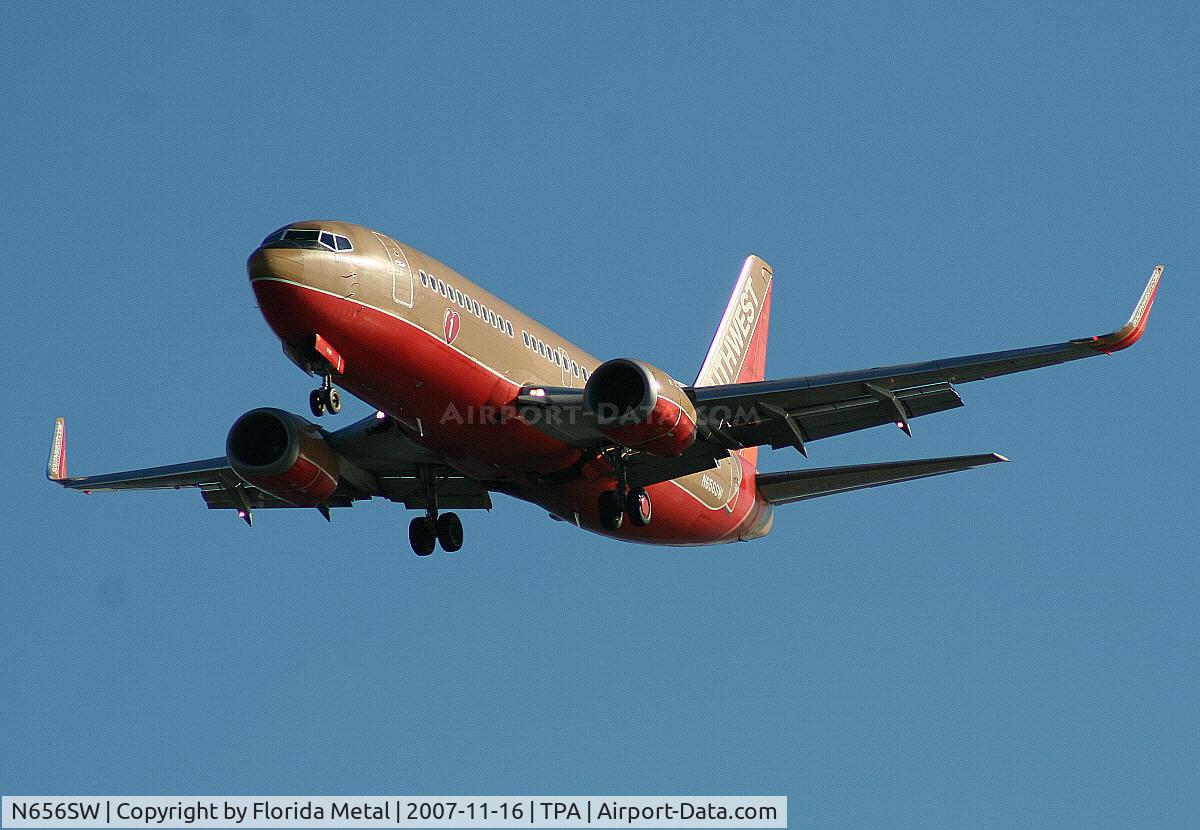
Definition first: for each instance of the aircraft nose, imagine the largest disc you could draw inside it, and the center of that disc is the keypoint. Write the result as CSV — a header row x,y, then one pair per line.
x,y
281,263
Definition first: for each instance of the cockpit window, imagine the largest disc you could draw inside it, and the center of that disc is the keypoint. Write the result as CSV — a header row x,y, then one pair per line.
x,y
308,238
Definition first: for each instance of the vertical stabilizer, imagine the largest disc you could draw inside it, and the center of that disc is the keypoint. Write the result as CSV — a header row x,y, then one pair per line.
x,y
738,353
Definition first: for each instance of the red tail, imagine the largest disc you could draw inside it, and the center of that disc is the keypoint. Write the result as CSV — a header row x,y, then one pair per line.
x,y
738,353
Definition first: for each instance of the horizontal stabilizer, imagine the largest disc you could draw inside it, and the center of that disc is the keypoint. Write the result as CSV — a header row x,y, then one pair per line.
x,y
798,485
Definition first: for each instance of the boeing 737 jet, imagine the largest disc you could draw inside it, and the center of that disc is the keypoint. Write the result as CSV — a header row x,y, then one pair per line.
x,y
472,398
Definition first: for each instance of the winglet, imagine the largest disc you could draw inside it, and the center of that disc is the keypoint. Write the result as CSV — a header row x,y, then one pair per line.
x,y
1132,331
56,466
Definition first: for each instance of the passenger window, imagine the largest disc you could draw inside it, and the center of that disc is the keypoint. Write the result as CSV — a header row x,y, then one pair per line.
x,y
424,279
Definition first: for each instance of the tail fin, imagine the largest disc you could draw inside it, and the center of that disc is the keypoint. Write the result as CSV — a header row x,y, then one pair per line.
x,y
738,353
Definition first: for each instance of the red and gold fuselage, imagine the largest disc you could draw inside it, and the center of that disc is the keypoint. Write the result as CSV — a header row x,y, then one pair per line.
x,y
421,343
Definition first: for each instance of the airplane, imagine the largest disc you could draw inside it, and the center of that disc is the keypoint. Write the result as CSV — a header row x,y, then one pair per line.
x,y
472,398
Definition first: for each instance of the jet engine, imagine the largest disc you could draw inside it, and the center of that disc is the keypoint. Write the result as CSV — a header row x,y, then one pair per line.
x,y
283,455
639,406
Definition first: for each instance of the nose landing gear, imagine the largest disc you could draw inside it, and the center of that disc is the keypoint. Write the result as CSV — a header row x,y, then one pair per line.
x,y
317,356
325,399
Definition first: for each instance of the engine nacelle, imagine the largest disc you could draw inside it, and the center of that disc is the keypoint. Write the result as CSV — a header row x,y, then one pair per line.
x,y
284,455
639,406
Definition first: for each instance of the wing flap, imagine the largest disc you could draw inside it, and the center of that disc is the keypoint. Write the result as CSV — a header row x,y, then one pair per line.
x,y
839,417
453,491
229,498
798,485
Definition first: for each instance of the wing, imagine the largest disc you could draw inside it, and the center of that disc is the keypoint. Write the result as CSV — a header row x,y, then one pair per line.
x,y
381,462
798,485
795,410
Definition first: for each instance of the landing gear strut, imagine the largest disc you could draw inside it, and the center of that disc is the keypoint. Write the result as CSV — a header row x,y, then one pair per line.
x,y
614,505
325,398
426,532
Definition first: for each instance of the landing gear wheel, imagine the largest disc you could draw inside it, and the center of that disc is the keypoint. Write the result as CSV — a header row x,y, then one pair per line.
x,y
333,401
450,532
612,509
637,505
422,535
316,402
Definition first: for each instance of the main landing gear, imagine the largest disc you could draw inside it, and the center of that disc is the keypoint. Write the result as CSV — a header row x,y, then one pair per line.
x,y
615,505
426,532
326,398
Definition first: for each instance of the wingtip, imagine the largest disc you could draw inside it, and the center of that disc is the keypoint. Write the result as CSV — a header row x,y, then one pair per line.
x,y
998,457
1133,330
56,465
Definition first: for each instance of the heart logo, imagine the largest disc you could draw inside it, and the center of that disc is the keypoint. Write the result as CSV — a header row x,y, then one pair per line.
x,y
451,325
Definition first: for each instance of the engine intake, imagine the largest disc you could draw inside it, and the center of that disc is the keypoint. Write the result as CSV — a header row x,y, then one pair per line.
x,y
641,407
283,455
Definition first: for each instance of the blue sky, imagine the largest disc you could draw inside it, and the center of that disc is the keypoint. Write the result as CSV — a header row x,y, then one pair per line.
x,y
1009,646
